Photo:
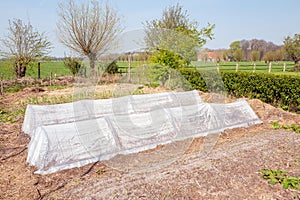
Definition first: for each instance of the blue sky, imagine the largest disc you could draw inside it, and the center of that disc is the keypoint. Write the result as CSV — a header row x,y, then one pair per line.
x,y
271,20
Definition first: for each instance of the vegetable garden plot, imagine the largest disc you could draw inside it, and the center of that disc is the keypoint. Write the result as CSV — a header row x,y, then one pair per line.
x,y
71,144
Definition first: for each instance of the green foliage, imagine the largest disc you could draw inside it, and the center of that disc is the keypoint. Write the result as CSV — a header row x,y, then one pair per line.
x,y
159,74
167,77
281,177
176,36
292,47
112,68
292,127
278,90
238,55
10,116
235,46
168,59
73,65
277,56
23,45
255,55
296,68
235,51
276,125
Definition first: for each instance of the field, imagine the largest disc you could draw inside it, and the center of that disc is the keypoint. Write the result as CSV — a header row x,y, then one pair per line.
x,y
47,68
261,67
58,69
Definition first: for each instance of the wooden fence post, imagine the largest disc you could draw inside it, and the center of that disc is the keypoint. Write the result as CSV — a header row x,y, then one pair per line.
x,y
129,66
237,67
270,67
284,67
50,78
254,67
39,70
1,85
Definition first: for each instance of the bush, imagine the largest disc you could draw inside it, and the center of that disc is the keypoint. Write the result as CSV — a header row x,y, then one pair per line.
x,y
278,90
73,65
112,68
296,68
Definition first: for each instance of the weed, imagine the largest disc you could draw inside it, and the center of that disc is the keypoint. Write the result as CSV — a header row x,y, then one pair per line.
x,y
101,171
292,127
11,116
281,177
275,125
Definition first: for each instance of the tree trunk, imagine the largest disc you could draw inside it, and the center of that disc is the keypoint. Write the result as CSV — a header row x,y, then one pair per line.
x,y
23,70
92,58
20,69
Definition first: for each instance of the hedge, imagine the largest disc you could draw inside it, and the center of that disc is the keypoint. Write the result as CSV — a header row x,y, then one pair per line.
x,y
279,90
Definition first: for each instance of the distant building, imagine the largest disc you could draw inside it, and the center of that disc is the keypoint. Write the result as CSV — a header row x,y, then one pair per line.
x,y
210,55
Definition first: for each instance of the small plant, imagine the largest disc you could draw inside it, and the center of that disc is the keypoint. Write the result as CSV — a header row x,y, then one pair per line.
x,y
281,177
297,160
7,116
276,125
292,127
101,171
73,65
112,68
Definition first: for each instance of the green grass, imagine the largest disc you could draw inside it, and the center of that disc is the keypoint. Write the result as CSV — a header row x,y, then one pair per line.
x,y
6,71
261,67
58,68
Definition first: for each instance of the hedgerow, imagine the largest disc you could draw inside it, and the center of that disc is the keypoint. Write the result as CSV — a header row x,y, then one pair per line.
x,y
279,90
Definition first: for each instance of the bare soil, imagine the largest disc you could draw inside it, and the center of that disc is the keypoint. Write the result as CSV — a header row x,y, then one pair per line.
x,y
231,170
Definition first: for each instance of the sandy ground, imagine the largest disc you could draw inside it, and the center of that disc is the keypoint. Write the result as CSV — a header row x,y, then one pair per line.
x,y
231,170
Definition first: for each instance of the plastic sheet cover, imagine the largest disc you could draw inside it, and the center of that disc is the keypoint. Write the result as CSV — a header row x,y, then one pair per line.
x,y
38,115
68,140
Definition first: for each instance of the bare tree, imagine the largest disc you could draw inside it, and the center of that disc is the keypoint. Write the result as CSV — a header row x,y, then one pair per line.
x,y
22,44
88,29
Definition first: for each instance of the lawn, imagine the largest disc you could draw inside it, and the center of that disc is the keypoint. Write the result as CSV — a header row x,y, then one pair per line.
x,y
261,67
47,68
57,68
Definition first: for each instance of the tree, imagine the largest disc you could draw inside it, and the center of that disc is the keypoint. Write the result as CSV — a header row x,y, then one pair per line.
x,y
238,55
292,48
235,46
175,38
23,44
279,55
245,46
225,55
88,29
236,51
255,55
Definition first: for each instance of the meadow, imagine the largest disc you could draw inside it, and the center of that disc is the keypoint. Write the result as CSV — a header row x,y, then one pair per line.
x,y
57,68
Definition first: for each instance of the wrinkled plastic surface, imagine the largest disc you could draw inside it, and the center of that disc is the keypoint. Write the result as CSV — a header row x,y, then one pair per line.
x,y
63,143
39,115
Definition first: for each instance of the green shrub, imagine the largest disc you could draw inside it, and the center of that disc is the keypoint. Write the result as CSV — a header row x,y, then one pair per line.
x,y
278,90
296,68
73,65
281,177
112,68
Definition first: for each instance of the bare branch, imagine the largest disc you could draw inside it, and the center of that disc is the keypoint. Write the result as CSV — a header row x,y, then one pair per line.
x,y
88,29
